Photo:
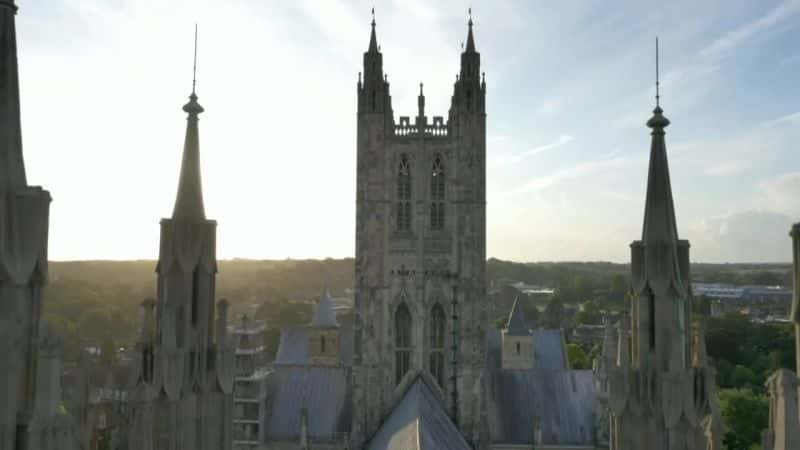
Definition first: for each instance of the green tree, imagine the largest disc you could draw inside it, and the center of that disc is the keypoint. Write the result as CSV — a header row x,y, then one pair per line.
x,y
554,313
745,413
578,359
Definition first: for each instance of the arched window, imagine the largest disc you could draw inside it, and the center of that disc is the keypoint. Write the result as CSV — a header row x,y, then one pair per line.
x,y
437,194
518,352
402,341
322,344
436,360
404,195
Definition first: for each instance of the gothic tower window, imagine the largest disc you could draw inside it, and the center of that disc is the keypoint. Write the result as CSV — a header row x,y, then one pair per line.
x,y
437,344
404,195
402,341
195,296
322,344
180,327
437,194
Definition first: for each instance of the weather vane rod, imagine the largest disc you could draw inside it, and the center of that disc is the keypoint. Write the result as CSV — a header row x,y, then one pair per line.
x,y
658,97
194,69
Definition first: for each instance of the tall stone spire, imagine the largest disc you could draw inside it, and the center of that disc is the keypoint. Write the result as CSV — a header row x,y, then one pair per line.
x,y
373,40
12,165
470,39
373,93
470,58
189,201
665,354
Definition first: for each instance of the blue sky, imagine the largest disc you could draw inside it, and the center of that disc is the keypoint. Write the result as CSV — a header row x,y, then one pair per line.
x,y
570,86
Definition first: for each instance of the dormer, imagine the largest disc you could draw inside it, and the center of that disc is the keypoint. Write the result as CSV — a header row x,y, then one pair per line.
x,y
323,336
517,340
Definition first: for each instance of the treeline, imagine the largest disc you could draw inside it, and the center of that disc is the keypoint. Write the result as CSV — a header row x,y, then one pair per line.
x,y
96,302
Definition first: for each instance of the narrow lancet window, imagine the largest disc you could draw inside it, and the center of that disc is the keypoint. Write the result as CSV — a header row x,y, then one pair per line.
x,y
436,360
402,342
437,194
404,195
195,296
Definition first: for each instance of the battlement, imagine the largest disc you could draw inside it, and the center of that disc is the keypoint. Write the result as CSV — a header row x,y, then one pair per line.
x,y
436,129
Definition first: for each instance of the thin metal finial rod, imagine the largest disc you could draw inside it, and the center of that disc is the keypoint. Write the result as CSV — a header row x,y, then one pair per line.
x,y
194,68
658,96
469,11
373,16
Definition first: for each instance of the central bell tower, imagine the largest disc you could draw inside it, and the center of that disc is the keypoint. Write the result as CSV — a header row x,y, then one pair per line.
x,y
420,248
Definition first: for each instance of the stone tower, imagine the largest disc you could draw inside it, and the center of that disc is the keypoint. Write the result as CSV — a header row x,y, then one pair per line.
x,y
24,223
662,388
182,397
517,340
323,334
783,432
420,248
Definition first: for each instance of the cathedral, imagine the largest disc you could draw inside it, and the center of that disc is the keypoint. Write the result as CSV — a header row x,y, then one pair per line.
x,y
418,366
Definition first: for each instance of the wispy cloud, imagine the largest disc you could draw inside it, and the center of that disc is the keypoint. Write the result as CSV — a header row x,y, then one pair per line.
x,y
517,157
610,162
727,168
748,31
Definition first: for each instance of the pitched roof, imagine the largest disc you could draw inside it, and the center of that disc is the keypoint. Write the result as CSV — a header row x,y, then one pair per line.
x,y
517,325
324,315
326,390
559,403
418,422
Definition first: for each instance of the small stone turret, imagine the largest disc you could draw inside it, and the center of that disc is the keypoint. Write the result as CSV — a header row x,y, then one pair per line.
x,y
517,340
324,333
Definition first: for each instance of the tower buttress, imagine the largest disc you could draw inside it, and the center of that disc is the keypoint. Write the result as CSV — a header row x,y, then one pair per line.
x,y
24,213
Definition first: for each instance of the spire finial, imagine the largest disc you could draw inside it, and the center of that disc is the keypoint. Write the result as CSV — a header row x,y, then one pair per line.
x,y
469,11
658,97
194,68
420,89
373,41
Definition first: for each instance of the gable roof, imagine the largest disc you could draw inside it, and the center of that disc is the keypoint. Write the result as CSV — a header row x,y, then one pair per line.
x,y
559,402
326,390
418,422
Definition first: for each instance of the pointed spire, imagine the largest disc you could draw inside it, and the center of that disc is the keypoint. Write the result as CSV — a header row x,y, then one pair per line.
x,y
373,40
324,315
12,164
517,325
659,212
470,39
189,201
421,102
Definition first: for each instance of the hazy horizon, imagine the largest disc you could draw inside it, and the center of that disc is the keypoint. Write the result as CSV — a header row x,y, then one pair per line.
x,y
569,88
